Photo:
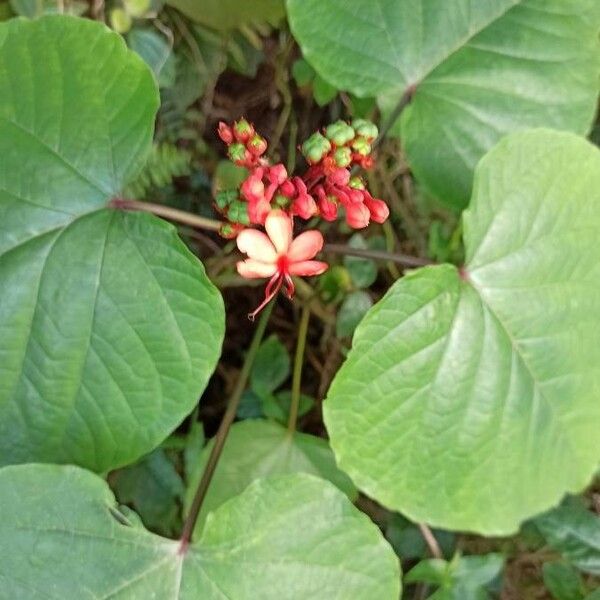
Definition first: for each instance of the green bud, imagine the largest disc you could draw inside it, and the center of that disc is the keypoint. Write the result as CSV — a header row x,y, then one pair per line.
x,y
340,133
315,148
225,198
366,129
237,152
238,212
356,183
342,157
120,21
281,201
361,146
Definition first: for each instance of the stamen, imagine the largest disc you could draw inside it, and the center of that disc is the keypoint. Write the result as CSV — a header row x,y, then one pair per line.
x,y
270,293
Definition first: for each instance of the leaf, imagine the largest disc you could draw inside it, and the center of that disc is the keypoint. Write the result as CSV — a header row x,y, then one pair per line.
x,y
563,581
323,91
277,406
477,69
155,50
469,399
463,578
293,537
229,14
408,542
109,326
154,489
258,449
193,447
575,533
353,309
362,270
271,367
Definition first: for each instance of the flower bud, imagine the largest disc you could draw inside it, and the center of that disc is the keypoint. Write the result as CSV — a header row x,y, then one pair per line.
x,y
237,153
339,177
357,215
327,204
356,183
366,129
224,198
288,189
377,208
277,174
342,157
230,230
238,212
258,211
315,148
242,130
257,145
304,206
361,146
253,189
225,132
339,133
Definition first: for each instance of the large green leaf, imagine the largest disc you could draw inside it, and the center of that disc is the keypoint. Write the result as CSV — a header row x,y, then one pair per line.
x,y
575,533
109,327
470,397
229,14
294,537
480,68
258,449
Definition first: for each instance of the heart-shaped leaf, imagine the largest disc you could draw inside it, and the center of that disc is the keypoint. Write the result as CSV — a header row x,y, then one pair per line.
x,y
470,397
259,449
293,537
477,70
109,327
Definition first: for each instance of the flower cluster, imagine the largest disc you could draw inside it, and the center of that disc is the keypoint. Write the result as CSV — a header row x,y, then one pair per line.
x,y
326,186
271,198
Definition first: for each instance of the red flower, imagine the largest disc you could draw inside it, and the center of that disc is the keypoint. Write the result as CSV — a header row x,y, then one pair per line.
x,y
277,256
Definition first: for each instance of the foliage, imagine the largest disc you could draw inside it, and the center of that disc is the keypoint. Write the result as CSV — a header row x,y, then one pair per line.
x,y
487,372
433,382
476,70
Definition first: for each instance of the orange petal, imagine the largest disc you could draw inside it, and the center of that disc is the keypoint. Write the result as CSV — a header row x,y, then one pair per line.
x,y
306,268
305,246
254,269
279,228
256,245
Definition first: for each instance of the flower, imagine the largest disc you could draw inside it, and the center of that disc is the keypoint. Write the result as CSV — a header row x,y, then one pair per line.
x,y
278,256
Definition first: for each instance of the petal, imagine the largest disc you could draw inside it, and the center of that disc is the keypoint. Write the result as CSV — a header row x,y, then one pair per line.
x,y
306,268
254,269
279,229
305,246
256,245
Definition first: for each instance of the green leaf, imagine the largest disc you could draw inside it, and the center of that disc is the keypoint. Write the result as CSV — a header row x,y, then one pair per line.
x,y
408,542
292,537
271,367
259,449
353,309
229,14
469,399
194,443
110,327
362,270
563,581
302,72
575,533
277,406
154,489
323,91
155,50
463,578
480,70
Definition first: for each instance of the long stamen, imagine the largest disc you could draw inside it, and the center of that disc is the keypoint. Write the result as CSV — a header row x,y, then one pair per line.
x,y
290,288
270,293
